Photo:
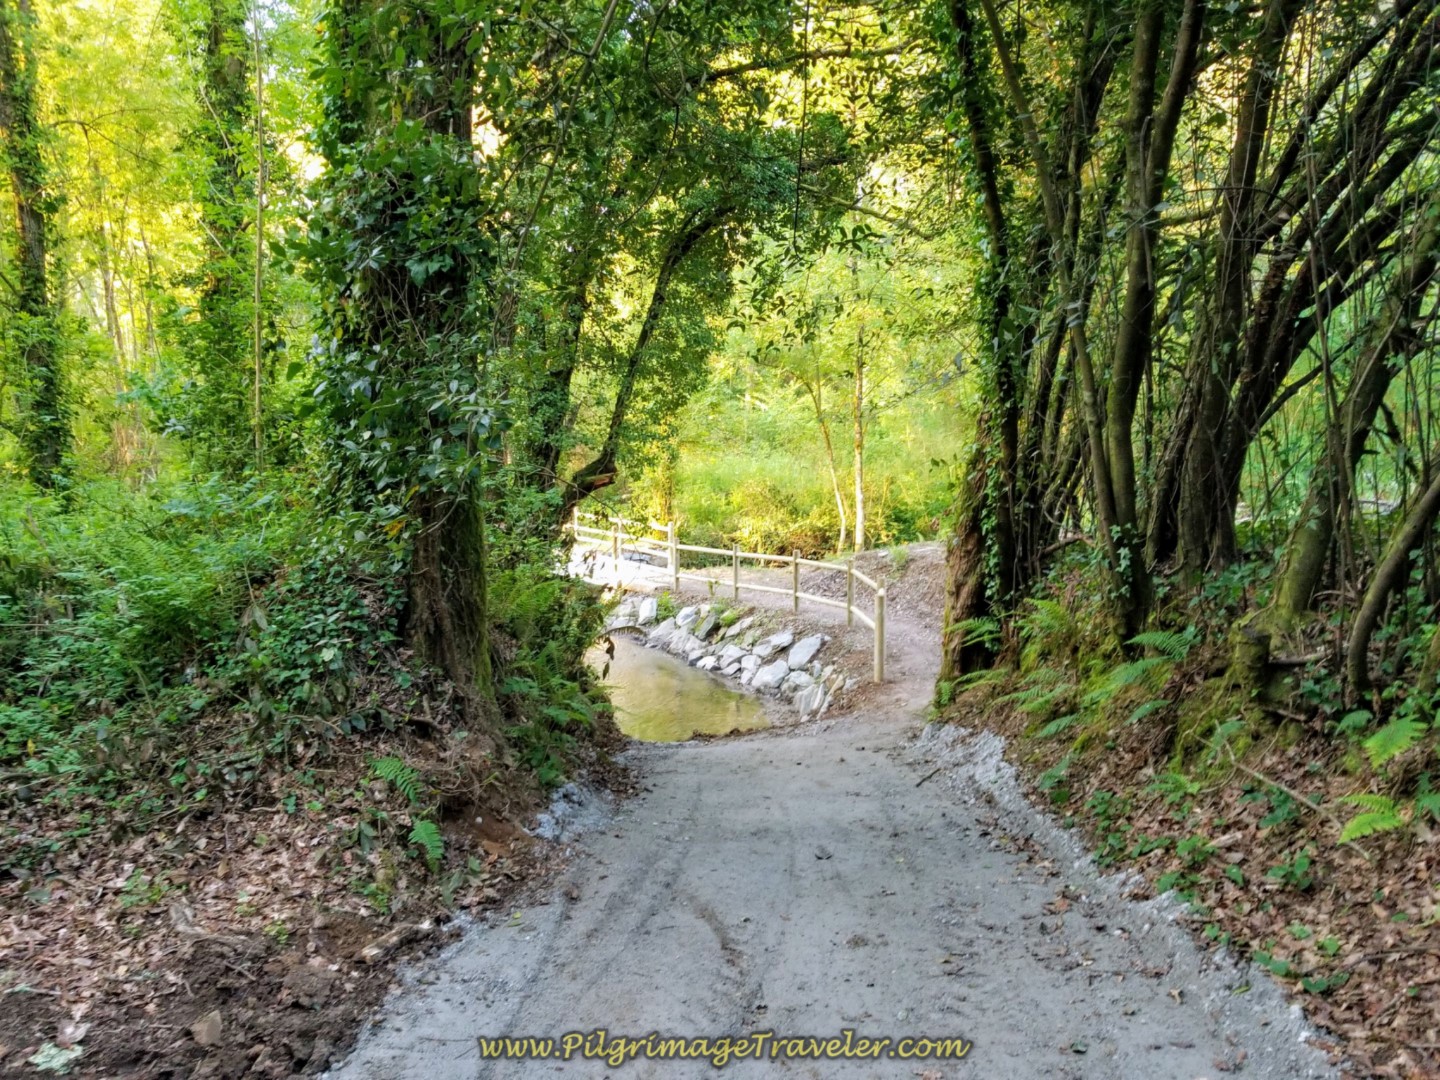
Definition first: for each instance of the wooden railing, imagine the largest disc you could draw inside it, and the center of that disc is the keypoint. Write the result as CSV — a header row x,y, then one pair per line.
x,y
621,535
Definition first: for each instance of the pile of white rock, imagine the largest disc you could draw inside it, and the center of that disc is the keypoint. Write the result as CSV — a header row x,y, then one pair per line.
x,y
776,664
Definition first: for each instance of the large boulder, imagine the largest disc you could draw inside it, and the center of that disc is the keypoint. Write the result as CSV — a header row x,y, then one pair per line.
x,y
648,610
707,626
687,617
811,700
771,675
794,682
749,662
740,627
774,643
683,643
707,663
804,651
731,653
662,633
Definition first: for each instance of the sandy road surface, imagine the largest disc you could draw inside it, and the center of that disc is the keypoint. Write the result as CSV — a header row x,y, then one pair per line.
x,y
802,882
861,873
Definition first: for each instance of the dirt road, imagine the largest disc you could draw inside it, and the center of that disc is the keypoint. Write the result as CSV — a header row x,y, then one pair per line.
x,y
862,873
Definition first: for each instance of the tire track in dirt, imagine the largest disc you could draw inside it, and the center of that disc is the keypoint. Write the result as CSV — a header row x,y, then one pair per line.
x,y
850,873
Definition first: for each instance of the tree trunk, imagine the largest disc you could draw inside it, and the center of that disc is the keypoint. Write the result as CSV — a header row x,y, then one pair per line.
x,y
817,401
1150,136
1390,576
257,299
967,600
1321,211
552,404
45,432
600,471
968,597
409,328
221,418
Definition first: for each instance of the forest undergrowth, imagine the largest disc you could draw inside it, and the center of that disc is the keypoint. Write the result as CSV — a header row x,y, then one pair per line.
x,y
230,786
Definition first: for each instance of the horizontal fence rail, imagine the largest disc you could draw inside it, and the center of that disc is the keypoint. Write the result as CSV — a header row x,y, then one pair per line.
x,y
622,536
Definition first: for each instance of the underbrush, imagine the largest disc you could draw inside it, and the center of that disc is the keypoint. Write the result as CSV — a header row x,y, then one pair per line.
x,y
1298,827
211,648
220,760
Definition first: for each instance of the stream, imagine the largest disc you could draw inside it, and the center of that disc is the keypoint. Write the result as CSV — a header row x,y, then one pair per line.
x,y
660,698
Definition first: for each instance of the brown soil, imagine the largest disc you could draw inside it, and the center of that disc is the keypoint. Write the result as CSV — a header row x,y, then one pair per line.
x,y
237,942
913,577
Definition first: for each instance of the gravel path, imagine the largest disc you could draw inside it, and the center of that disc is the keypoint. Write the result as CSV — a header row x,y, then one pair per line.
x,y
866,873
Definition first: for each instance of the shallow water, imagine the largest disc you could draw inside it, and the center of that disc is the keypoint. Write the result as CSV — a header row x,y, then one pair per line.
x,y
660,698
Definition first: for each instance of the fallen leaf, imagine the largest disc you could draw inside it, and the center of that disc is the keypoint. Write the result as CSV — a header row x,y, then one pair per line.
x,y
207,1029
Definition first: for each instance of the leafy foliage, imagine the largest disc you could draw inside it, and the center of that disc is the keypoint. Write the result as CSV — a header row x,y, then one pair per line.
x,y
1171,644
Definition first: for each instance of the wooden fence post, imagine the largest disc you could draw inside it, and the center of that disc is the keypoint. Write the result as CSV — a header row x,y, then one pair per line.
x,y
795,579
674,556
735,569
879,635
850,593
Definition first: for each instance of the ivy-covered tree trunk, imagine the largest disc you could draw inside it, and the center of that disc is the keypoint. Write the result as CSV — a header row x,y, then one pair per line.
x,y
34,331
402,250
220,343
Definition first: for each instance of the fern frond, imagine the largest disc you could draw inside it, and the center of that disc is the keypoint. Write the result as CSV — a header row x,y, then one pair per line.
x,y
975,679
1149,708
398,775
1393,739
1039,690
982,631
1047,619
1381,815
1224,732
1380,804
1168,643
425,835
1428,803
1151,671
1055,727
1051,777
